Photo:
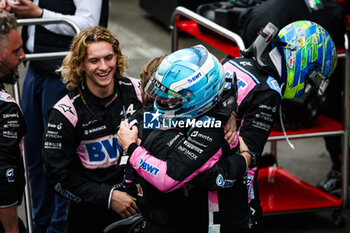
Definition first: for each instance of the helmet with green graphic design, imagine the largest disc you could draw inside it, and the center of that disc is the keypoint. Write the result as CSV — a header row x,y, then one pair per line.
x,y
309,56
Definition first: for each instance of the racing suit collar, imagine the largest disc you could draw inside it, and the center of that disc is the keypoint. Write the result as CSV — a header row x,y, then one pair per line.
x,y
105,102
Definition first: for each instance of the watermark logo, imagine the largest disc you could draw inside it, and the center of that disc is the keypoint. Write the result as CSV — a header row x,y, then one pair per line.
x,y
156,120
152,120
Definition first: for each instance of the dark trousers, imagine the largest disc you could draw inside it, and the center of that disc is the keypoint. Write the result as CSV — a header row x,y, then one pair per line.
x,y
84,218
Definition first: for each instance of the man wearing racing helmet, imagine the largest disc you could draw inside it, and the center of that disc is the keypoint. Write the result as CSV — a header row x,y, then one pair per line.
x,y
280,63
302,113
186,86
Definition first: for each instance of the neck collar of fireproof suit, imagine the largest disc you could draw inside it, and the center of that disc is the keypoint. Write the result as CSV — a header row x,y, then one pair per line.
x,y
106,101
263,51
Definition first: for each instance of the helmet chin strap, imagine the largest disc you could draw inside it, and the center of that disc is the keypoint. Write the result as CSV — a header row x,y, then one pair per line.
x,y
276,59
282,125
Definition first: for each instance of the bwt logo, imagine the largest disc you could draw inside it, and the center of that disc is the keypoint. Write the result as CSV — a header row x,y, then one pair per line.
x,y
194,78
106,148
148,167
240,83
228,75
151,120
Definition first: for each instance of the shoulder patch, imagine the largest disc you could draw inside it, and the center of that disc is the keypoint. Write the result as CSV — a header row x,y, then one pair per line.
x,y
246,81
7,97
273,84
66,107
136,84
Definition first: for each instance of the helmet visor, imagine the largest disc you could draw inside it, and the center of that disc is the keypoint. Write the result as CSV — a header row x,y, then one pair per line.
x,y
319,82
166,97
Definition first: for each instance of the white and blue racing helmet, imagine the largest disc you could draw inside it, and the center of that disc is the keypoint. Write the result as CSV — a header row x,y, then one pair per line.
x,y
187,84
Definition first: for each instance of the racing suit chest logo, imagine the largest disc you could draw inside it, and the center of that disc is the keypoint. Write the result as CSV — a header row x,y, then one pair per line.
x,y
199,135
99,153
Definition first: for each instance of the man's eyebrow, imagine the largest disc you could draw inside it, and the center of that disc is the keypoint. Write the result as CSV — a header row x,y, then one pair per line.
x,y
19,48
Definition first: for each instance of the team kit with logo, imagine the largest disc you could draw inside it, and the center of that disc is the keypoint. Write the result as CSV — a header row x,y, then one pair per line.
x,y
89,142
177,157
12,129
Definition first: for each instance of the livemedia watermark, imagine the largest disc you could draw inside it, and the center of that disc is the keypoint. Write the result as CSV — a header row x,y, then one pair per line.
x,y
156,120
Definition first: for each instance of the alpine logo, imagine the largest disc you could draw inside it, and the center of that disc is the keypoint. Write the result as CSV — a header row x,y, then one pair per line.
x,y
224,183
149,168
66,108
10,174
245,63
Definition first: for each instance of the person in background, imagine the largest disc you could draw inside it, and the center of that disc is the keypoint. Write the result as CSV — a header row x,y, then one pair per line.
x,y
275,66
82,157
330,14
12,127
327,13
42,88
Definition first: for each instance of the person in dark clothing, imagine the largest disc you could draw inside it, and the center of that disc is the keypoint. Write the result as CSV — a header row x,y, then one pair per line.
x,y
42,88
177,155
83,160
330,15
268,71
12,127
283,12
259,100
334,109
